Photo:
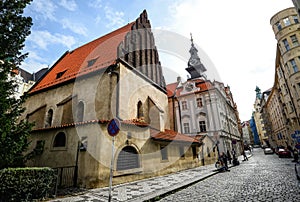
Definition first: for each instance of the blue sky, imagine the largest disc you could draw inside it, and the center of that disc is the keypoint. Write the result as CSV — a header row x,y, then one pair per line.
x,y
234,37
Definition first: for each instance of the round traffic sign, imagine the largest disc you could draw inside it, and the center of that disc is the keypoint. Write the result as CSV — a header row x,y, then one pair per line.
x,y
113,127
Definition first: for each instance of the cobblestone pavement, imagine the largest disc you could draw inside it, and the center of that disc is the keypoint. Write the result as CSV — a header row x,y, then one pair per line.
x,y
144,189
262,178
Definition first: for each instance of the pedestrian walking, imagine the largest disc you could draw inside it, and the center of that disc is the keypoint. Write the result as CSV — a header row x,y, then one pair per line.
x,y
296,155
244,155
229,157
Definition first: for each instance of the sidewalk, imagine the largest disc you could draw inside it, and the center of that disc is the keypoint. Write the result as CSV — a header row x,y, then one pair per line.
x,y
147,189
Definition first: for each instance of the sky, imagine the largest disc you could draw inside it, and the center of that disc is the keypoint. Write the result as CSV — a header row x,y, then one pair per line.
x,y
234,38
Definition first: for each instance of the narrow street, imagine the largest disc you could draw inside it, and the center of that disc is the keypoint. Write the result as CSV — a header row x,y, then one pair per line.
x,y
262,178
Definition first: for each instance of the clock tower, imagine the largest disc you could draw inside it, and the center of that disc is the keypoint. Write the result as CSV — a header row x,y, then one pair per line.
x,y
195,67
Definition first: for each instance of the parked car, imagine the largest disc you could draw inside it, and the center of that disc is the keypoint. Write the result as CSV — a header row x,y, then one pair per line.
x,y
284,153
268,150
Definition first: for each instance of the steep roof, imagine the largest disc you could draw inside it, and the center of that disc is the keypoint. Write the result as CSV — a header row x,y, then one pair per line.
x,y
88,58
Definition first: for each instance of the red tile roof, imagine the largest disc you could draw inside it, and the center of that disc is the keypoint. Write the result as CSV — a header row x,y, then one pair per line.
x,y
75,63
170,135
203,85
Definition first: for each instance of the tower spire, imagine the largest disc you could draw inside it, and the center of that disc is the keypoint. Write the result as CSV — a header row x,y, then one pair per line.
x,y
195,67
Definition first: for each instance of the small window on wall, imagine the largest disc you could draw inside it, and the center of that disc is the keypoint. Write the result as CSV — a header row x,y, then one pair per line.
x,y
295,18
202,126
60,140
286,44
278,25
286,21
199,102
294,65
186,128
294,40
184,105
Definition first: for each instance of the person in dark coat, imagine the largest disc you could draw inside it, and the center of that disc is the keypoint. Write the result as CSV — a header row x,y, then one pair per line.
x,y
229,156
223,159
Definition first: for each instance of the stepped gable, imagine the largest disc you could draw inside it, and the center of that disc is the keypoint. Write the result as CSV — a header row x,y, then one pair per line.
x,y
104,51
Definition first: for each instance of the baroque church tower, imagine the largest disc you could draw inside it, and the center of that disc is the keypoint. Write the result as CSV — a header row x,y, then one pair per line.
x,y
195,66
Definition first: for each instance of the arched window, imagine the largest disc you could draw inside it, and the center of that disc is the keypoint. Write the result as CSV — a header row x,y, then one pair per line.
x,y
49,118
60,140
140,113
128,159
80,111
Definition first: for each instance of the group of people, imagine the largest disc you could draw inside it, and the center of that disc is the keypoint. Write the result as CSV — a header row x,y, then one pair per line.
x,y
226,158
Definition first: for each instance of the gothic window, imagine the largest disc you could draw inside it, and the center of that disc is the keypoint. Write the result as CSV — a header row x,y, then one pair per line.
x,y
164,152
49,118
140,113
184,105
80,111
128,159
202,126
60,140
199,102
286,44
186,128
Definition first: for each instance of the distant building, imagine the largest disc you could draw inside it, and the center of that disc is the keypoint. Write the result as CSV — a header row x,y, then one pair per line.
x,y
256,140
259,121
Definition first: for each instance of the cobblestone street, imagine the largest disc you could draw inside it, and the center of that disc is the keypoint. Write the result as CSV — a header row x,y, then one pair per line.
x,y
262,178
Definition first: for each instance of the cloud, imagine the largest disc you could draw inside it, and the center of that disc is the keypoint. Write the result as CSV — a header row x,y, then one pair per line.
x,y
115,18
77,28
45,9
68,4
32,65
44,38
95,4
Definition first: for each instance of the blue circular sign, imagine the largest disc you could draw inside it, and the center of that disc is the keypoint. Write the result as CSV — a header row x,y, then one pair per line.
x,y
113,127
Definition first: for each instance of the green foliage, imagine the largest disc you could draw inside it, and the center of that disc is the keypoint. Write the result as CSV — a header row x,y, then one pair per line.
x,y
14,28
26,184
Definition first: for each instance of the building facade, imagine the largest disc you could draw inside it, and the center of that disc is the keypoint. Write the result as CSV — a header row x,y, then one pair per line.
x,y
204,109
285,25
115,77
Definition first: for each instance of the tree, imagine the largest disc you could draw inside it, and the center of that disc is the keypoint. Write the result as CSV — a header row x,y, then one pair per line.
x,y
14,28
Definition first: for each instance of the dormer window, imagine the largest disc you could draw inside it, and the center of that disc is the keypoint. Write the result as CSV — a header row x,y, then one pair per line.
x,y
92,62
59,74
